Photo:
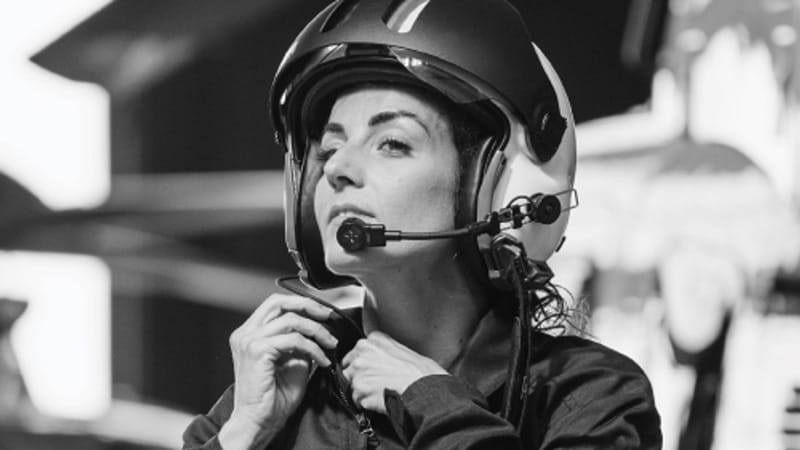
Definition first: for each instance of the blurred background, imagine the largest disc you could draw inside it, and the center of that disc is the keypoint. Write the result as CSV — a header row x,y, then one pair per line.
x,y
141,207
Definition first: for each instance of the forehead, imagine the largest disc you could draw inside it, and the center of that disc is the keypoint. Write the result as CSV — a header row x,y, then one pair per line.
x,y
367,101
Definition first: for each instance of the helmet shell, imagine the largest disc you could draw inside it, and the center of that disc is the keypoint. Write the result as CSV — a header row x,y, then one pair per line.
x,y
476,52
484,39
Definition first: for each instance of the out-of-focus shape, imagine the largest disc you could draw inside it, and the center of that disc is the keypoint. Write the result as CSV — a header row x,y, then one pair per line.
x,y
176,205
643,34
701,185
761,368
155,425
661,120
14,399
54,133
133,232
737,100
791,420
711,193
758,21
735,80
63,340
128,46
636,204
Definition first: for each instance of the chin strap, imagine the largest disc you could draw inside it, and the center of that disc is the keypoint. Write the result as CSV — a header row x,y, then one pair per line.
x,y
525,278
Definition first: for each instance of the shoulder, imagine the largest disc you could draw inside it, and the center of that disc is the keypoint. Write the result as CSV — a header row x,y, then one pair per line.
x,y
569,355
588,389
583,370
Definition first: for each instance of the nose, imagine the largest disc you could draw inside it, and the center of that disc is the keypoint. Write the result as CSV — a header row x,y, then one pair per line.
x,y
344,168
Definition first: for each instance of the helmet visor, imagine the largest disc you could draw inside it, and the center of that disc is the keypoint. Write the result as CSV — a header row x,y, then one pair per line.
x,y
333,68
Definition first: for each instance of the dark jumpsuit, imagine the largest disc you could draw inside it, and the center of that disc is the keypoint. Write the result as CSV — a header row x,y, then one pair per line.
x,y
581,395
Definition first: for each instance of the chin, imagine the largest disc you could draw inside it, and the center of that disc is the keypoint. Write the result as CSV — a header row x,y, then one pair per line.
x,y
341,262
389,258
372,260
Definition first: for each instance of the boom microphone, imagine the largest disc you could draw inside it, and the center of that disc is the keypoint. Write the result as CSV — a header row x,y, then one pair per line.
x,y
355,235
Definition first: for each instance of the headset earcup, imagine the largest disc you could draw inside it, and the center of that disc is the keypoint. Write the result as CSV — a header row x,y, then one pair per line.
x,y
310,245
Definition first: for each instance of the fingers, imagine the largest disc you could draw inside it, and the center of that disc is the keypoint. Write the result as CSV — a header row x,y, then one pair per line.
x,y
294,343
281,314
284,326
378,363
366,383
293,322
366,389
277,304
375,341
384,341
351,355
276,347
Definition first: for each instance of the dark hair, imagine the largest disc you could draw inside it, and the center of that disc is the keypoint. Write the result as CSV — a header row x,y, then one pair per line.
x,y
468,136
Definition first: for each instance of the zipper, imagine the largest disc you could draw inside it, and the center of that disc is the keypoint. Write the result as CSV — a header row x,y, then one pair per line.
x,y
364,424
365,428
293,284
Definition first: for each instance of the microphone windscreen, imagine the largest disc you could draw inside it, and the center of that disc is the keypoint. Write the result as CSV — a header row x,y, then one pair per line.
x,y
352,235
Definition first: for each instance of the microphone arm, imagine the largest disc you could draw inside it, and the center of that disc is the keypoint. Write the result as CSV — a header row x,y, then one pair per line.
x,y
355,235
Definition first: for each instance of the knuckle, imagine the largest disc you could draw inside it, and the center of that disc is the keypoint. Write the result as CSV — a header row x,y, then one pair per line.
x,y
276,297
271,301
355,364
249,346
357,388
296,339
275,302
235,338
318,329
291,320
363,348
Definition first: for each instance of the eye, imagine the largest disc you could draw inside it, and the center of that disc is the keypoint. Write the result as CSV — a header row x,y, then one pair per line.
x,y
394,146
324,152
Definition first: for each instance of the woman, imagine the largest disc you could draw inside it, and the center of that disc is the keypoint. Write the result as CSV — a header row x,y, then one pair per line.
x,y
426,117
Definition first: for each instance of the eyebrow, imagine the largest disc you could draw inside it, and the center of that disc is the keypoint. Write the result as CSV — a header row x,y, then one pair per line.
x,y
388,116
378,119
332,127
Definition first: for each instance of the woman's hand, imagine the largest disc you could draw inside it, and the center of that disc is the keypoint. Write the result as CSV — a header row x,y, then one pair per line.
x,y
273,351
379,362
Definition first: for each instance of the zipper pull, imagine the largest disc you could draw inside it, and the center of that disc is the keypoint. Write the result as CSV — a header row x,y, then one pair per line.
x,y
365,428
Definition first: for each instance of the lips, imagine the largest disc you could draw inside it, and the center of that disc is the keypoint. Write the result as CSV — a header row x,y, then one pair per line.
x,y
347,210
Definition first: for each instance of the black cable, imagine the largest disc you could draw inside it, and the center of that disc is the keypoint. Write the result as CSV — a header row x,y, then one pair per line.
x,y
294,285
515,399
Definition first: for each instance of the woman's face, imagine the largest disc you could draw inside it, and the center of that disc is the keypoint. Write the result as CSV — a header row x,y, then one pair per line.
x,y
388,157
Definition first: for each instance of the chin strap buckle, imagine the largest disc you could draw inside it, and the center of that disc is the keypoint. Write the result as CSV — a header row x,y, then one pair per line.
x,y
507,259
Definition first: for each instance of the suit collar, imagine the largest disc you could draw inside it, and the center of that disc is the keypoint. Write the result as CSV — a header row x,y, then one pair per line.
x,y
483,362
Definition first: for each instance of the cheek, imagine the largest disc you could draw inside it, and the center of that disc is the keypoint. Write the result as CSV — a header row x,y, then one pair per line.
x,y
428,198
